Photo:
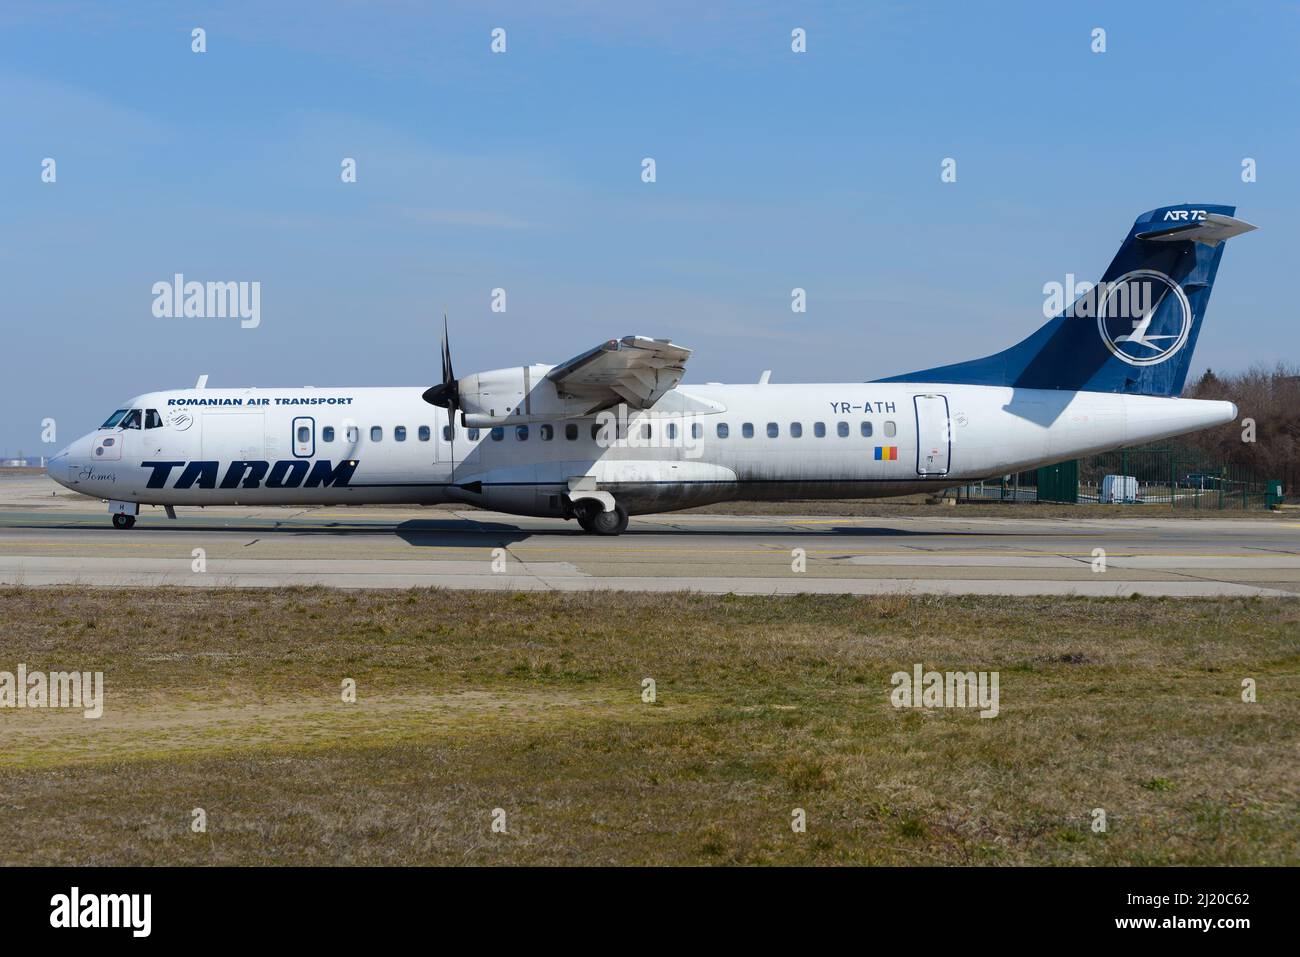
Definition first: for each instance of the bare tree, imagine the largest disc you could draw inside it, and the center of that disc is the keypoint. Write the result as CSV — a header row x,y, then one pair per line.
x,y
1268,400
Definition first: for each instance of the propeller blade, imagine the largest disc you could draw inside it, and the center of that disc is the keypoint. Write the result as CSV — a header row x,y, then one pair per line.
x,y
445,394
447,374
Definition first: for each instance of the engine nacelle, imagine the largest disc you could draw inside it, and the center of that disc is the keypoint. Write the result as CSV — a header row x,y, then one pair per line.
x,y
515,396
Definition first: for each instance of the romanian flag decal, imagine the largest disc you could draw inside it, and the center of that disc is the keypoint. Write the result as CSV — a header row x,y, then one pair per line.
x,y
886,453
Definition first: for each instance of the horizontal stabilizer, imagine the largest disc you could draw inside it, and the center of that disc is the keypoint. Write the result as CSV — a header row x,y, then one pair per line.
x,y
1213,229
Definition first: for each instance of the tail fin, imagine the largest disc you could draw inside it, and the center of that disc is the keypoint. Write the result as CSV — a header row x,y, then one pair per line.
x,y
1135,330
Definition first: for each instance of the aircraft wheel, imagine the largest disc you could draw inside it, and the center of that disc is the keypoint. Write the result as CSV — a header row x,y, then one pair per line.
x,y
610,523
123,521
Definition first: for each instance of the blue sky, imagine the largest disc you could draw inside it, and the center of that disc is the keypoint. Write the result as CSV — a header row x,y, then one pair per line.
x,y
522,171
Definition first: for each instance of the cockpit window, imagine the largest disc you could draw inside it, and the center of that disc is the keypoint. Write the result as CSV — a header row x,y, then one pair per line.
x,y
114,419
152,420
132,420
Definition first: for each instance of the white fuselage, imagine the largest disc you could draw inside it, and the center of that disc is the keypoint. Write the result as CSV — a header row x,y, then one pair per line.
x,y
386,445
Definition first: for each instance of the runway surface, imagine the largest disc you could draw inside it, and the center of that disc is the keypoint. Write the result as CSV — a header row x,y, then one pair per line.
x,y
54,538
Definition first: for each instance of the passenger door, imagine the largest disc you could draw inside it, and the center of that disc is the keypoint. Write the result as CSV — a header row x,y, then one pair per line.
x,y
933,435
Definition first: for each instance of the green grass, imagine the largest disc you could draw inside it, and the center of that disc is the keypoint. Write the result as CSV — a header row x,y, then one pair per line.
x,y
532,703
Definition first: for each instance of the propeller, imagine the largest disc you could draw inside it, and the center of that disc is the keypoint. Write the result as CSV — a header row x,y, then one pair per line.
x,y
446,394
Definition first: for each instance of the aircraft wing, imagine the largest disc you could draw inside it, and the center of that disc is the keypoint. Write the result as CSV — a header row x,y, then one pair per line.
x,y
634,369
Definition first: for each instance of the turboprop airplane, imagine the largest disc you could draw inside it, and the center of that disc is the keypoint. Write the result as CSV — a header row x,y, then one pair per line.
x,y
614,432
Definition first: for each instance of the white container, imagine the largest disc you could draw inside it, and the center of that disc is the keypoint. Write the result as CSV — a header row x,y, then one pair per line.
x,y
1119,488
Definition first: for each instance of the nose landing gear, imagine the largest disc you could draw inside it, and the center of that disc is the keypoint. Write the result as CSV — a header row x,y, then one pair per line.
x,y
123,513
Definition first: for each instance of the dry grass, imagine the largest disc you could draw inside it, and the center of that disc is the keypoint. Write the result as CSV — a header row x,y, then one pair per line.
x,y
229,701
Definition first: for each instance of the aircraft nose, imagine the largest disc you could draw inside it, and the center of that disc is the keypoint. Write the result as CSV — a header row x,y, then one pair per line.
x,y
57,467
67,460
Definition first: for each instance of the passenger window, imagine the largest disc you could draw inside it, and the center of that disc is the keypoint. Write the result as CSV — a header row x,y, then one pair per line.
x,y
327,434
819,429
399,433
796,430
697,430
152,420
424,433
521,433
866,429
747,430
645,430
473,434
671,430
132,420
376,433
723,430
304,434
497,434
890,429
447,433
842,430
773,430
351,434
547,432
570,431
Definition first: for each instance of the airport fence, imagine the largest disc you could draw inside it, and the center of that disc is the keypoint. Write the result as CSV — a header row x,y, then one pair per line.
x,y
1167,477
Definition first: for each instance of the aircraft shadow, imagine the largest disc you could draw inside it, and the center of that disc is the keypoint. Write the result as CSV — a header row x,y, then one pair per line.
x,y
424,534
458,532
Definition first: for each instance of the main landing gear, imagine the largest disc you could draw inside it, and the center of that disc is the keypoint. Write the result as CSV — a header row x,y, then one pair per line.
x,y
595,521
123,521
